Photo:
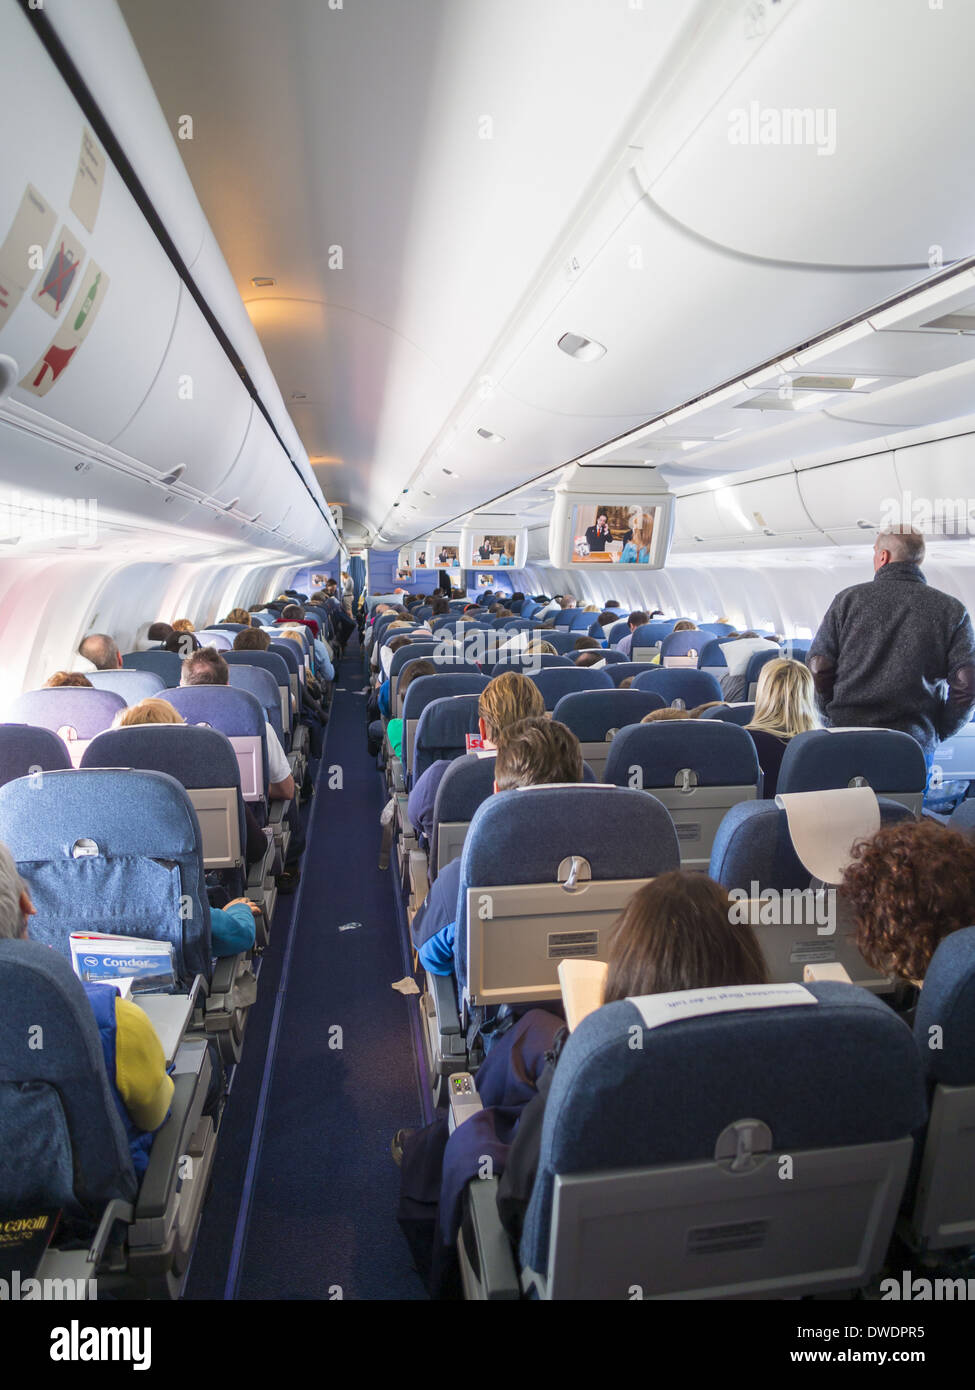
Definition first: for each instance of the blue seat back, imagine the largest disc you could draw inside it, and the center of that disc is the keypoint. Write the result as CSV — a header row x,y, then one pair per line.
x,y
753,845
591,714
717,629
133,686
442,730
837,1073
555,681
563,642
581,621
211,637
886,759
621,670
144,876
165,664
236,713
693,687
755,663
614,658
464,786
711,655
731,714
682,643
86,711
618,631
61,1136
947,1002
720,755
522,836
262,685
24,749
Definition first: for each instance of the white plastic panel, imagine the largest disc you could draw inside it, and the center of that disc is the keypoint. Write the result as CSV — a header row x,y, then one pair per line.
x,y
197,412
114,366
839,495
888,85
941,469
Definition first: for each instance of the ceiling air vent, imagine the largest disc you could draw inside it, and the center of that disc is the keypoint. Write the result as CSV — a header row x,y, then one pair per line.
x,y
582,349
824,383
173,476
490,436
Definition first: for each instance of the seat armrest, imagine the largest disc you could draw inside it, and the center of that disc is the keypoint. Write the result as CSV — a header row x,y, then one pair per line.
x,y
463,1098
396,773
490,1266
222,980
277,812
443,991
170,1143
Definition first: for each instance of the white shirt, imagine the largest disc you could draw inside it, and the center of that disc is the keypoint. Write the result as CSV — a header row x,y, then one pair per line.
x,y
278,768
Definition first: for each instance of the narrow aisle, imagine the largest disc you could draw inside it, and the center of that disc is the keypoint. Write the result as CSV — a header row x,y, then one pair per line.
x,y
345,1077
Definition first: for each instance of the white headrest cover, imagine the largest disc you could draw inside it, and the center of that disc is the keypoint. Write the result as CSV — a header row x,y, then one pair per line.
x,y
825,825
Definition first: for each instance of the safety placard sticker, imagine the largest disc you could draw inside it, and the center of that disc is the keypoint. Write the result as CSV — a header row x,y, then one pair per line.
x,y
74,330
60,273
22,250
87,192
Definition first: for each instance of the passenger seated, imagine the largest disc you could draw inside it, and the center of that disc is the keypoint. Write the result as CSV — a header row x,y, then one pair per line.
x,y
67,678
184,625
159,632
504,701
785,705
595,659
583,644
238,615
636,619
255,639
675,933
656,715
134,1057
909,886
207,667
531,753
102,651
394,729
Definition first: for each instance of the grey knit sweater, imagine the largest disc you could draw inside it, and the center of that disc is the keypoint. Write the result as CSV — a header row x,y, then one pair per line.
x,y
885,651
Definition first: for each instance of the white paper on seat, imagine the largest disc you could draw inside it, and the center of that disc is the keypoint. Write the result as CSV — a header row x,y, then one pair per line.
x,y
658,1009
824,827
739,653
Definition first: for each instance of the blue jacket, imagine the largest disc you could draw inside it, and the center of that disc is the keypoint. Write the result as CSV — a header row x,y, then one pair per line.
x,y
102,1000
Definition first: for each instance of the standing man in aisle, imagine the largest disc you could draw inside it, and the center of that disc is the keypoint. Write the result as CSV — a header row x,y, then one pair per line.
x,y
895,653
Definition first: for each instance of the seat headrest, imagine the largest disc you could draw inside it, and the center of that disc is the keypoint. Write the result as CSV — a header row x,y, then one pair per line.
x,y
944,1024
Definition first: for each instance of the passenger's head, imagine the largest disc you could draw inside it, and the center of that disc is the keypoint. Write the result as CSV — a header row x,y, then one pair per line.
x,y
785,703
626,682
399,642
252,639
685,625
591,658
539,648
238,615
159,632
568,601
153,711
15,903
677,933
291,613
749,632
607,619
506,700
66,678
205,667
637,618
439,606
102,651
411,672
909,886
584,644
657,716
183,625
698,710
182,643
898,543
537,752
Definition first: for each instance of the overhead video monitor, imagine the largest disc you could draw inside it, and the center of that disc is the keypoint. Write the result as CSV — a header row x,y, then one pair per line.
x,y
404,574
588,530
485,581
489,542
443,555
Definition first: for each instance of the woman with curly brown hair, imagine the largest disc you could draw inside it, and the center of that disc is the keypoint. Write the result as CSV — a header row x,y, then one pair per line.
x,y
909,887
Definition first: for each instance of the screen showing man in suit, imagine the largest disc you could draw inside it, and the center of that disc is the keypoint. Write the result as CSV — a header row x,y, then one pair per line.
x,y
613,534
494,550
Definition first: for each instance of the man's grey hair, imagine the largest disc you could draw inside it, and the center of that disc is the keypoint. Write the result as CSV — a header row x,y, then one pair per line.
x,y
101,650
11,887
904,543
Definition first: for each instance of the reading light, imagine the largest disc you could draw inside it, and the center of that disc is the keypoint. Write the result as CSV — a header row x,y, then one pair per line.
x,y
582,349
262,282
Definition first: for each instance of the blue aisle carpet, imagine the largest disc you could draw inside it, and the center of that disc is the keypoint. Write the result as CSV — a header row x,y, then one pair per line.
x,y
310,1211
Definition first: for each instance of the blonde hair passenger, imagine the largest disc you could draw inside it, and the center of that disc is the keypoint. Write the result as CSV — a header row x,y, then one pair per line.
x,y
151,711
784,700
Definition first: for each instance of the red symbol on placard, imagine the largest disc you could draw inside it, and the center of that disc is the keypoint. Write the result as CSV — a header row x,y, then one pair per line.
x,y
56,358
58,279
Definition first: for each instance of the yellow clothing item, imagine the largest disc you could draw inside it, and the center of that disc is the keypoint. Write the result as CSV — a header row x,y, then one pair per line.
x,y
140,1067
